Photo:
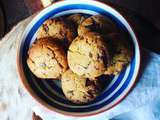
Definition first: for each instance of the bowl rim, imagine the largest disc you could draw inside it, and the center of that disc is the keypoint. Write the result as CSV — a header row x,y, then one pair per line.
x,y
53,110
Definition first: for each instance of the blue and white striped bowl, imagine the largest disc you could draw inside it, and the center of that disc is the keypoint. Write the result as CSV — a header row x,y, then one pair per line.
x,y
47,92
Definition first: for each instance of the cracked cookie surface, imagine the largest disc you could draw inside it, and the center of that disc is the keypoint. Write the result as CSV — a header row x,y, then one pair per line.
x,y
79,89
121,53
47,59
88,55
97,23
76,19
57,28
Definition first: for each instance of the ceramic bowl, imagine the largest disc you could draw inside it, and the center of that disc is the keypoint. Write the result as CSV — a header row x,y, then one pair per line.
x,y
48,92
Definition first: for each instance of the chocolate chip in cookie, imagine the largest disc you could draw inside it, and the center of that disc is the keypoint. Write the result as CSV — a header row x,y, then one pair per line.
x,y
88,55
97,23
57,28
79,89
47,59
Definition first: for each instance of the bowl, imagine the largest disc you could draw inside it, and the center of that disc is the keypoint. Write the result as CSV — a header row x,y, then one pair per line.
x,y
48,92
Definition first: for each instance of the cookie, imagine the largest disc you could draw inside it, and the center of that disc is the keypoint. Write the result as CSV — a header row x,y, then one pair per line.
x,y
47,59
97,23
121,53
88,55
79,89
59,29
76,19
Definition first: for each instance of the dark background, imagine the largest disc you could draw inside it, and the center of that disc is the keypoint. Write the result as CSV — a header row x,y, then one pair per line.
x,y
144,15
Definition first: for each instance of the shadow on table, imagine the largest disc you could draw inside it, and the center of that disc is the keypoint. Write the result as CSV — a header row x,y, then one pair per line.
x,y
148,35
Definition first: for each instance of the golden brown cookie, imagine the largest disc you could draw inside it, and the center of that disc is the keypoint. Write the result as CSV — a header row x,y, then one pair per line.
x,y
97,23
121,53
57,28
88,55
78,89
47,59
76,19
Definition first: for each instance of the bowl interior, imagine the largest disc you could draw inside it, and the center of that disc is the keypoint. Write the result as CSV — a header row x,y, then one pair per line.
x,y
48,92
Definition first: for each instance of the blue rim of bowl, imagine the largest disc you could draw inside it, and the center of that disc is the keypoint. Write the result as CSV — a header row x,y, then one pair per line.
x,y
27,41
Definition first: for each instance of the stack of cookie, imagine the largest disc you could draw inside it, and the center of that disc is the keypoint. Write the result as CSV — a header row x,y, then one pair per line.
x,y
77,50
